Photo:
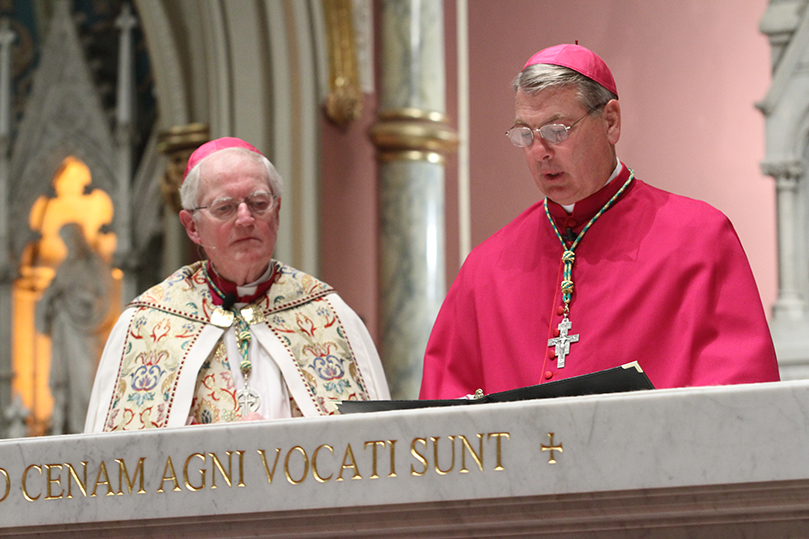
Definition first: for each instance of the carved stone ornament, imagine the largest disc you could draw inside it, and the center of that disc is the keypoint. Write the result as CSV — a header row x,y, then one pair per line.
x,y
177,144
344,102
783,169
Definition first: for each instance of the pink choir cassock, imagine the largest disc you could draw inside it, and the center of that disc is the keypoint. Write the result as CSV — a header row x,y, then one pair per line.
x,y
660,279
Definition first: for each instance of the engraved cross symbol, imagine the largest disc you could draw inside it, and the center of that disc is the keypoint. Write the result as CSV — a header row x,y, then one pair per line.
x,y
552,448
563,341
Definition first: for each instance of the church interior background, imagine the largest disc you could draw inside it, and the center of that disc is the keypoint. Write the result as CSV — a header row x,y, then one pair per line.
x,y
61,74
102,101
95,140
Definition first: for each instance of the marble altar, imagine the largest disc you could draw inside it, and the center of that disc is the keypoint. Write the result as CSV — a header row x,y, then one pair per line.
x,y
712,462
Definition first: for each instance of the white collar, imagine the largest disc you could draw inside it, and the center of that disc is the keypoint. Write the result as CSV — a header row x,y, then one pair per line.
x,y
250,288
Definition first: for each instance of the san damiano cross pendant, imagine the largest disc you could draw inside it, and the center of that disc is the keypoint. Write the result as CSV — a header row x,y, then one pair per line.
x,y
563,341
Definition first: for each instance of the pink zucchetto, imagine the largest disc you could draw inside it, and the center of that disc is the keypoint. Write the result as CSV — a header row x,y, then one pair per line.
x,y
214,146
578,59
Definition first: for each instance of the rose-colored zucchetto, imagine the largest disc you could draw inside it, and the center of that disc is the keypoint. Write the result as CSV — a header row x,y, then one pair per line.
x,y
214,146
578,59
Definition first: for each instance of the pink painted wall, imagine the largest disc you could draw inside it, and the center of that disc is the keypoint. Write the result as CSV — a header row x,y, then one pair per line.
x,y
688,75
348,213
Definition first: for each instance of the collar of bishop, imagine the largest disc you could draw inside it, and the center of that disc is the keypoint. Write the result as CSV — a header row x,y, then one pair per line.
x,y
585,209
187,292
243,294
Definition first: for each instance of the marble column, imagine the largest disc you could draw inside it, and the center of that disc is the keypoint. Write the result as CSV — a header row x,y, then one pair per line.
x,y
411,135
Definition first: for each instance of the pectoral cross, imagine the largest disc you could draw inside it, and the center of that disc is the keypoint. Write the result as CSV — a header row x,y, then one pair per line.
x,y
563,341
248,399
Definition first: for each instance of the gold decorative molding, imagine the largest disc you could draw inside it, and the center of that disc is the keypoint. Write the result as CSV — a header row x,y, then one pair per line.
x,y
413,134
177,144
413,114
344,102
412,155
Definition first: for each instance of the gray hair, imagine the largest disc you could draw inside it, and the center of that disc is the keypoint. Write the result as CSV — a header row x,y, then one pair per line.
x,y
535,78
189,190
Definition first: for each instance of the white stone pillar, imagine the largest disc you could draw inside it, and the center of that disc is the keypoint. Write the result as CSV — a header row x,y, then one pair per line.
x,y
790,305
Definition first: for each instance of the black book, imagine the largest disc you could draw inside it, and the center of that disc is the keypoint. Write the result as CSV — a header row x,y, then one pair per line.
x,y
629,377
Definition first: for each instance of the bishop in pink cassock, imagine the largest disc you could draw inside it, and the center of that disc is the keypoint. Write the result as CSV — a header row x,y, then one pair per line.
x,y
605,271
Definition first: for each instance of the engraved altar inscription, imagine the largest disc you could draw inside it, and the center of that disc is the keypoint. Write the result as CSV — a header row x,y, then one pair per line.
x,y
332,461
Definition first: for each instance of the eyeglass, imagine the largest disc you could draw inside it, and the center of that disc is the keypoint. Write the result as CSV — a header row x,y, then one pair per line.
x,y
522,136
223,209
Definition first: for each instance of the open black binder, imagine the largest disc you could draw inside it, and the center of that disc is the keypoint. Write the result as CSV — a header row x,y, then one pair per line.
x,y
629,377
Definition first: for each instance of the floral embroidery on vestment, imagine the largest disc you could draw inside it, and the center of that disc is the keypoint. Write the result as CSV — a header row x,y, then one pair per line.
x,y
169,319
